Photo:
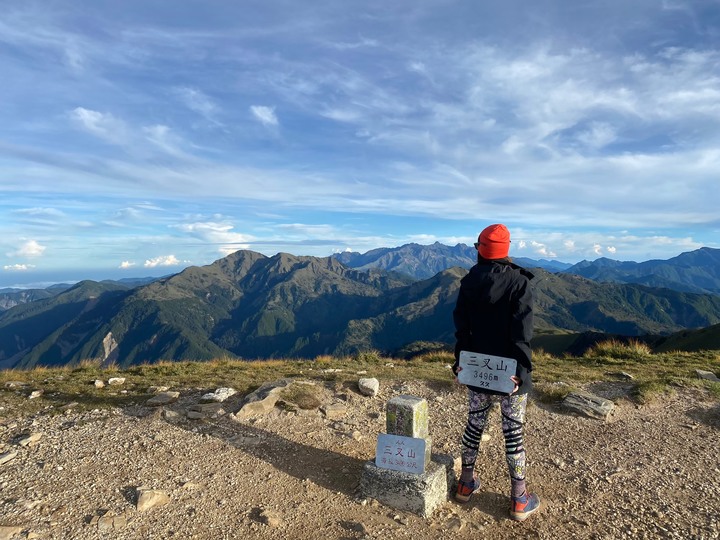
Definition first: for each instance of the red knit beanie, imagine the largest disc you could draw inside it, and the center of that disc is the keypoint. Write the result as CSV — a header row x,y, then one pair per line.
x,y
494,242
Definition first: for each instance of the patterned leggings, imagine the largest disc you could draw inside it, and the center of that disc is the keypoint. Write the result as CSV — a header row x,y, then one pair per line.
x,y
513,417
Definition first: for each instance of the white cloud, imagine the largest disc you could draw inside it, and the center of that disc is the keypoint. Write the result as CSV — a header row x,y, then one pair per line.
x,y
611,249
266,115
217,233
127,264
165,260
18,267
597,135
541,249
597,249
31,248
102,125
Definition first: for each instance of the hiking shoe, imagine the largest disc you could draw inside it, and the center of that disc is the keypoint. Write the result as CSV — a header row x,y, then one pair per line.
x,y
522,507
466,489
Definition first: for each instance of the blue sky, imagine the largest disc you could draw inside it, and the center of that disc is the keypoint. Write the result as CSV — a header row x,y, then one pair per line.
x,y
140,137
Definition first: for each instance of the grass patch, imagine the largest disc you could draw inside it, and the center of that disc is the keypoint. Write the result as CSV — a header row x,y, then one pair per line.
x,y
651,391
555,376
305,396
619,350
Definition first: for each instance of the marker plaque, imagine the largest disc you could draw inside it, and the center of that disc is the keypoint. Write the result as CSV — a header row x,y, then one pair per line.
x,y
487,371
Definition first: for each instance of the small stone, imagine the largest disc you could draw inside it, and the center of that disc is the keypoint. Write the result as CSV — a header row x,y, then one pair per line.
x,y
219,395
116,381
455,525
105,523
195,415
208,409
35,394
170,415
150,498
157,389
622,375
270,518
163,398
369,386
98,383
31,439
69,406
15,384
7,457
7,532
334,411
706,375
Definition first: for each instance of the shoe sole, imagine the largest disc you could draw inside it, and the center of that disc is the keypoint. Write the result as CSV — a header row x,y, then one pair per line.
x,y
522,516
463,498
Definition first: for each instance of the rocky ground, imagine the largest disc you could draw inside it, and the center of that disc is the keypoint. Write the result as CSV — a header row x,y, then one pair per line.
x,y
650,471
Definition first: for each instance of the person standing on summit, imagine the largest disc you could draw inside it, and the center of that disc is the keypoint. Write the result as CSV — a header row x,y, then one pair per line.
x,y
494,316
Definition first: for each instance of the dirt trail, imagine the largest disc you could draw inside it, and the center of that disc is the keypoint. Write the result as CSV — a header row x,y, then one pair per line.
x,y
649,472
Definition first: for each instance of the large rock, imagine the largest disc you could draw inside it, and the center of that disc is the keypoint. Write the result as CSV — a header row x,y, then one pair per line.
x,y
262,400
369,386
219,395
589,404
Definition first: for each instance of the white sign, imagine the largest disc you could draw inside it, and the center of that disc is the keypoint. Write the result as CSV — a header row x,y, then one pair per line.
x,y
399,453
487,371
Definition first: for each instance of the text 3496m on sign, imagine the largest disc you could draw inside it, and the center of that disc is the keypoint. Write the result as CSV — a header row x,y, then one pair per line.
x,y
487,371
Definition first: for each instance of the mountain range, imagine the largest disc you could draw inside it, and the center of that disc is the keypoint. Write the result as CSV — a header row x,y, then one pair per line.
x,y
248,305
695,271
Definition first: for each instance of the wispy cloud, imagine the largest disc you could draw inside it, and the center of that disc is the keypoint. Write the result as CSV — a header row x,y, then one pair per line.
x,y
102,125
199,102
265,115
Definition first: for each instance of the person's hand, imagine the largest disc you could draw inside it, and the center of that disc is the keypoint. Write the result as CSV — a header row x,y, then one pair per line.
x,y
458,370
517,382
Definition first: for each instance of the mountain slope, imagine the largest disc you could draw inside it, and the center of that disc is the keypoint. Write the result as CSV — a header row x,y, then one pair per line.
x,y
251,306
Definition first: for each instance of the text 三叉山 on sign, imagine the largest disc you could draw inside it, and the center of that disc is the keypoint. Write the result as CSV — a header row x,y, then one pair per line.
x,y
487,371
400,453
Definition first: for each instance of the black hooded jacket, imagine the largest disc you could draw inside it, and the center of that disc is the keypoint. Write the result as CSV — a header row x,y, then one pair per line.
x,y
494,315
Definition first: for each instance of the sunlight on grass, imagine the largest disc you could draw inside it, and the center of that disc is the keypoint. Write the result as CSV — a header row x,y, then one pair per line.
x,y
652,374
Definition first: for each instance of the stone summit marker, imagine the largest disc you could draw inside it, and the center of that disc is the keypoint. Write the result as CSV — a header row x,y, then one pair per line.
x,y
404,474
